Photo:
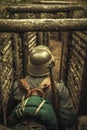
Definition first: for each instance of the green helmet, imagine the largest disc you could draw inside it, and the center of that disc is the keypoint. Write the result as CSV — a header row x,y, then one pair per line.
x,y
39,59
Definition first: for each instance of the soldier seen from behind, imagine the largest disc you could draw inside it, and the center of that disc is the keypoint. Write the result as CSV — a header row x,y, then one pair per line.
x,y
38,102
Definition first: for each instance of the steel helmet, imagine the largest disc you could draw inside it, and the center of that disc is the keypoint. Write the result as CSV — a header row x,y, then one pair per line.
x,y
39,59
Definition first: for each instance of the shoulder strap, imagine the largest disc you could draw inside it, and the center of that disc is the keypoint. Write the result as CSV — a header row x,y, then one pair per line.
x,y
45,82
24,85
41,89
45,85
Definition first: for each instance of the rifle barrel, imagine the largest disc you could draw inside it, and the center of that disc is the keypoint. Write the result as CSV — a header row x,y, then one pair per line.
x,y
54,91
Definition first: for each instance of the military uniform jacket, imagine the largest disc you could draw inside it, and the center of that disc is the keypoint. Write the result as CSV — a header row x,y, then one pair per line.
x,y
68,115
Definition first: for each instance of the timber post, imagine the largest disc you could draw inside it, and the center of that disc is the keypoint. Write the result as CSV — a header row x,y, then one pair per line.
x,y
39,34
24,52
67,41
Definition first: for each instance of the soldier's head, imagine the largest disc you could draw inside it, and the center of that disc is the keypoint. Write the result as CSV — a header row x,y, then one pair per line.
x,y
39,59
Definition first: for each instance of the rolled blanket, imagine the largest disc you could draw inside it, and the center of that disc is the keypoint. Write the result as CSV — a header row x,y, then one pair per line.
x,y
35,107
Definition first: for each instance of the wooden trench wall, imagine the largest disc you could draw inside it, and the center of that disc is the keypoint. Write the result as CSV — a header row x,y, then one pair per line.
x,y
75,67
13,51
15,48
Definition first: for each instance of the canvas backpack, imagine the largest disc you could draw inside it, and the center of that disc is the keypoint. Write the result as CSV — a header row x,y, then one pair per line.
x,y
34,106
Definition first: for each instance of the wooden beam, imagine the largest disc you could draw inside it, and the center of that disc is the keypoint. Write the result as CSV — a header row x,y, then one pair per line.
x,y
32,8
26,25
54,2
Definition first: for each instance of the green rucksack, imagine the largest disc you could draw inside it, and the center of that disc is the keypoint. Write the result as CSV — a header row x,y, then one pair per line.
x,y
37,108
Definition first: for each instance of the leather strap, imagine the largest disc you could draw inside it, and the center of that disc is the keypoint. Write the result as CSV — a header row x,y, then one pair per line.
x,y
41,90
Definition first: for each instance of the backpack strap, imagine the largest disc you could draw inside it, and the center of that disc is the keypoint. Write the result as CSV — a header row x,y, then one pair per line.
x,y
41,90
23,85
45,85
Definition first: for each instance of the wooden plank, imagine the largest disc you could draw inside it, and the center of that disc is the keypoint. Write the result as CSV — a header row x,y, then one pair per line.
x,y
32,8
79,41
76,55
54,2
82,36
